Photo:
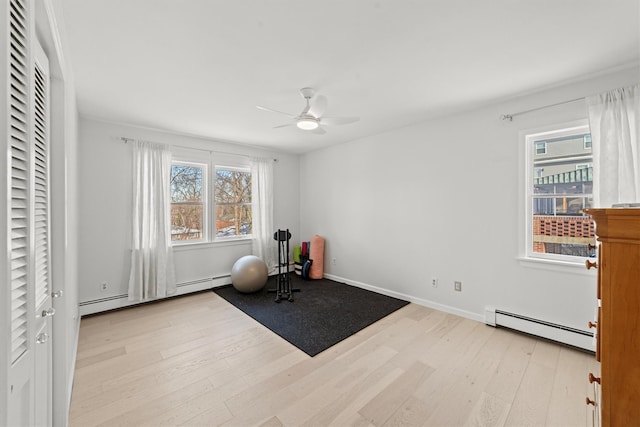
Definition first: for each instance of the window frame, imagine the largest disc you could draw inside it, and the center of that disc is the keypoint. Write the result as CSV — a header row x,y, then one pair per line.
x,y
528,138
211,160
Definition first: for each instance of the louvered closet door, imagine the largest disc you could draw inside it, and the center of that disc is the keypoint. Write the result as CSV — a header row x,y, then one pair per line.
x,y
26,377
41,177
19,179
20,370
41,237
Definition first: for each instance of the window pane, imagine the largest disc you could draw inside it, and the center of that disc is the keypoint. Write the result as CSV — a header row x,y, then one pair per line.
x,y
574,188
562,187
187,207
233,186
233,220
186,221
186,183
543,206
233,203
563,235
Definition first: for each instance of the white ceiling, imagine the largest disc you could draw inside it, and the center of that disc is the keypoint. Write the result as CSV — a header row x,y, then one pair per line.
x,y
201,66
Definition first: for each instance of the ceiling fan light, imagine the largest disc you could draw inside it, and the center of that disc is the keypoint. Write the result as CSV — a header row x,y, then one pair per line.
x,y
307,123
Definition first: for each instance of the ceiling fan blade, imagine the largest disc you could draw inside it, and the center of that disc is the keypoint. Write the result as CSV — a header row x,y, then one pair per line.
x,y
319,131
331,121
318,106
293,116
284,126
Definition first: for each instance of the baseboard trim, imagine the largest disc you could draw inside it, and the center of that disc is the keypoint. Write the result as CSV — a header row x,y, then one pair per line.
x,y
121,301
420,301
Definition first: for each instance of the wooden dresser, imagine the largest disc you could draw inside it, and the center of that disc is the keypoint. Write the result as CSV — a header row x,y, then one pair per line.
x,y
618,323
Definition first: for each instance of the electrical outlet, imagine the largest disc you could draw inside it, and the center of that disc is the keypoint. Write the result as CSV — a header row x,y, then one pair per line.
x,y
434,282
333,261
457,286
103,286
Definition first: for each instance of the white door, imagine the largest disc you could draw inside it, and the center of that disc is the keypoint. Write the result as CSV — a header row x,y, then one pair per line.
x,y
20,358
41,233
25,398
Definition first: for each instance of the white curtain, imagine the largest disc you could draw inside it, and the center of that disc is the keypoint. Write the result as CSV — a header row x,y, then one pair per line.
x,y
152,270
614,119
262,210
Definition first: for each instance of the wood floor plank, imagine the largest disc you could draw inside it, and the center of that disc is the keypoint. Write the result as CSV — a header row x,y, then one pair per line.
x,y
451,334
413,412
131,331
117,366
508,376
489,411
531,402
209,407
379,409
174,399
94,403
126,398
311,401
272,422
345,404
99,357
268,368
570,380
355,420
471,377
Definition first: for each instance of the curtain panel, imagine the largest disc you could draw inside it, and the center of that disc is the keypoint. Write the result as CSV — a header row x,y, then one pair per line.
x,y
262,210
614,119
152,272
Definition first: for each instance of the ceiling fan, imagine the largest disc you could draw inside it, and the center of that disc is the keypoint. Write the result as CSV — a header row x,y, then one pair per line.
x,y
311,116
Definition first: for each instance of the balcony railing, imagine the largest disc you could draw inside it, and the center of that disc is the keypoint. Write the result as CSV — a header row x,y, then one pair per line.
x,y
578,175
549,232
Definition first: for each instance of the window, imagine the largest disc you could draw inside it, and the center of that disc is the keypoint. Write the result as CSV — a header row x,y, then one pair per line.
x,y
188,201
587,142
209,202
233,202
559,189
541,147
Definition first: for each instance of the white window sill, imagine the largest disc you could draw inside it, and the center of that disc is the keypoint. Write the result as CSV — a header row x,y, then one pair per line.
x,y
215,244
577,267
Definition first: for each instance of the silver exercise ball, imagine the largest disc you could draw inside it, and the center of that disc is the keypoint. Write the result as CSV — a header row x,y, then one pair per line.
x,y
249,274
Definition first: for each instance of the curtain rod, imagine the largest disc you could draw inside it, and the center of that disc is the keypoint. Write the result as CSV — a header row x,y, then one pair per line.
x,y
126,140
512,115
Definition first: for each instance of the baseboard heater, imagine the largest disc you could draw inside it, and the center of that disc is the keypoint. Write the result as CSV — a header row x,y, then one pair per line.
x,y
541,328
118,301
103,300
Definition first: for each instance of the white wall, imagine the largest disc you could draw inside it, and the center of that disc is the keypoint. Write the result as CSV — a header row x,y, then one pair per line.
x,y
105,189
442,199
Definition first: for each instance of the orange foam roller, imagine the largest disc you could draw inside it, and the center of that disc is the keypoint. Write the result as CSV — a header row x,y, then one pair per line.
x,y
317,255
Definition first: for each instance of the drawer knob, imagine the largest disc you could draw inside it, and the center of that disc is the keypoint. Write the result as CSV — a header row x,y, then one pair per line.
x,y
593,378
591,402
590,264
593,325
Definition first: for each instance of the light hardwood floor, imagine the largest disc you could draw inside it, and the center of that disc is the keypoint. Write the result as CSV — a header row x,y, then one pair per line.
x,y
197,360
